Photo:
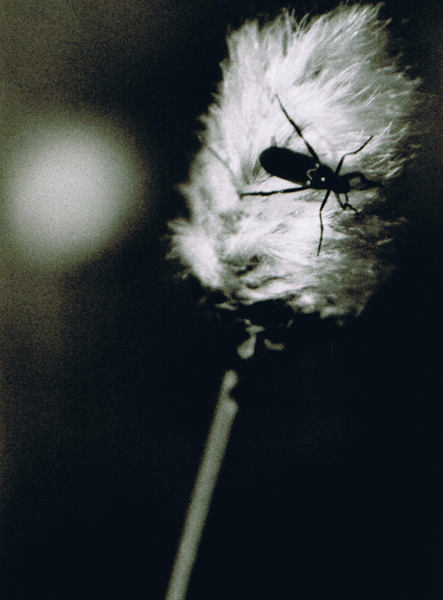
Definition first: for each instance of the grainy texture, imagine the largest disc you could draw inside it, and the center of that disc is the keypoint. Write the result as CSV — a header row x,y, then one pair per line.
x,y
336,80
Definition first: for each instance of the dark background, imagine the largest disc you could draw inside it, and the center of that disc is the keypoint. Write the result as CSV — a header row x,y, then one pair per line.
x,y
332,485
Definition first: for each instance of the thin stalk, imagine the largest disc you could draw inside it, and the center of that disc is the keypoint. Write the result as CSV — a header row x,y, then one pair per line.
x,y
212,459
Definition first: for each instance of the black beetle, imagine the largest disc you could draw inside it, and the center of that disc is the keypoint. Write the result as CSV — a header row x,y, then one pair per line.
x,y
311,173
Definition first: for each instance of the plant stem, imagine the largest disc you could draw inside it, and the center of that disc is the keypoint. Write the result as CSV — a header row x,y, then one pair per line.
x,y
211,461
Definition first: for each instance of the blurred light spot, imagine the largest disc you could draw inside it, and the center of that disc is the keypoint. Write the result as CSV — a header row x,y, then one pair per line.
x,y
73,184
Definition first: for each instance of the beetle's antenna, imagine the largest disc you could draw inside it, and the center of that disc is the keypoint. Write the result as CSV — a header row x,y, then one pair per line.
x,y
299,132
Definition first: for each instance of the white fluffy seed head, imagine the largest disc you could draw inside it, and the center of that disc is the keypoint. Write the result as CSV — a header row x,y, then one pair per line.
x,y
336,81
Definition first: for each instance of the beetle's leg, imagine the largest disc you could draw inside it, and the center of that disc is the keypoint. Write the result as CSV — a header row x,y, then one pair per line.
x,y
285,191
340,164
345,205
325,199
323,204
299,132
342,206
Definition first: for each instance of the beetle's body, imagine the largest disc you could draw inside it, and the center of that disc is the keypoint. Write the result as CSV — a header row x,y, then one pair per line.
x,y
304,170
310,173
287,164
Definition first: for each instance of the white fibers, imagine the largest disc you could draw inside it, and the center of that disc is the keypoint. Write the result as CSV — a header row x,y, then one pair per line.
x,y
338,84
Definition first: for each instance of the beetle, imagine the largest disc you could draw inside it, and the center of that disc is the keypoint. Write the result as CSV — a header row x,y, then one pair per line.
x,y
311,173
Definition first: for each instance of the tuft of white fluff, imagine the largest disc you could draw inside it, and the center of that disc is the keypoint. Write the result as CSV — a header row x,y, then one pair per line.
x,y
335,79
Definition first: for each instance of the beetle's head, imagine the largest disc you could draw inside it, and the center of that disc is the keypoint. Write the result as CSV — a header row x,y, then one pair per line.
x,y
319,177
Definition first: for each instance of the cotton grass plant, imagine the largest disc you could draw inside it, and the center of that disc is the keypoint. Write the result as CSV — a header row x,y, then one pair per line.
x,y
333,78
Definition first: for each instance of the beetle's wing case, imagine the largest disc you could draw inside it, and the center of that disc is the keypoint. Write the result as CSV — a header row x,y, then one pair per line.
x,y
287,164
